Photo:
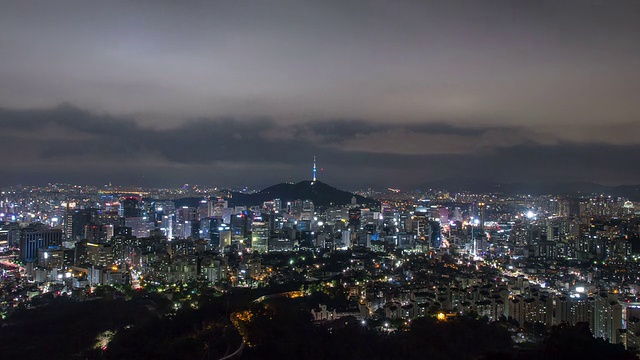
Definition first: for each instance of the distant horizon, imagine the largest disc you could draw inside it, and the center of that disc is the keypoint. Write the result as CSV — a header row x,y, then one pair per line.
x,y
69,144
432,185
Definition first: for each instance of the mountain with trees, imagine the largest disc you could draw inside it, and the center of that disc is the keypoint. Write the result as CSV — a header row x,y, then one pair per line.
x,y
322,195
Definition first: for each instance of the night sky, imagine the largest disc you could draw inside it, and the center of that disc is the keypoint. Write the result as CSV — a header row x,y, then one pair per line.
x,y
384,93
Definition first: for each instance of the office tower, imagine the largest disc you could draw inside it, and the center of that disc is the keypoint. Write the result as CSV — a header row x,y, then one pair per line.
x,y
308,210
260,236
633,328
435,237
68,222
37,236
139,226
55,257
354,219
82,218
130,207
98,234
167,226
186,213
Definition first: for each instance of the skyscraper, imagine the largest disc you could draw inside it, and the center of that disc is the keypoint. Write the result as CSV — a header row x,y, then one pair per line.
x,y
260,236
36,236
607,317
130,207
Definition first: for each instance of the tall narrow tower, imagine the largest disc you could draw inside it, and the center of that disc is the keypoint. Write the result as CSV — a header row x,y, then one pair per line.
x,y
314,168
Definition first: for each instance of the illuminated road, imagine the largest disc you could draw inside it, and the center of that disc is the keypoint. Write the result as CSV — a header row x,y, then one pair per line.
x,y
12,265
238,352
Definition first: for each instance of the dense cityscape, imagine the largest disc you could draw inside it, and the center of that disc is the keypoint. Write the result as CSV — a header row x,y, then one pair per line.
x,y
379,261
335,179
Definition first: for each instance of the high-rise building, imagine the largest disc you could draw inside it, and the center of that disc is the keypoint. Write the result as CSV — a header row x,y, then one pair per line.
x,y
37,236
241,225
607,320
68,221
435,237
225,236
203,209
346,239
481,214
98,234
82,218
184,229
55,257
354,219
633,328
167,226
95,254
139,226
572,309
130,207
186,213
218,208
260,236
308,210
213,269
125,248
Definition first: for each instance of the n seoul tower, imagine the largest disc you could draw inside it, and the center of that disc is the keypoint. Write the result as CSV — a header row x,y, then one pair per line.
x,y
314,168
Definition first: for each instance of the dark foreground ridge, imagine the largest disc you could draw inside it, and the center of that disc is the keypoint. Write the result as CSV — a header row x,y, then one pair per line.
x,y
143,325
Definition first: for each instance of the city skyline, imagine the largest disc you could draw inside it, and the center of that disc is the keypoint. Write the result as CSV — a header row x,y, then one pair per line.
x,y
384,94
332,179
404,266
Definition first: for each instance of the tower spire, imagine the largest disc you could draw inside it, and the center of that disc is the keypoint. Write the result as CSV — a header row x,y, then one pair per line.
x,y
314,168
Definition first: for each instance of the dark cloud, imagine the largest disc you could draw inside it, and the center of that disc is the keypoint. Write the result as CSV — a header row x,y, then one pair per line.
x,y
88,147
68,117
337,130
443,128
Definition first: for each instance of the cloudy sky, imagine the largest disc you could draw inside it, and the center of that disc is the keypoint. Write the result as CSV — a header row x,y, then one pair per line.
x,y
385,93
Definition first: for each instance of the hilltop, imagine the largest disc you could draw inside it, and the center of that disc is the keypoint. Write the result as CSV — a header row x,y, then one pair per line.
x,y
322,195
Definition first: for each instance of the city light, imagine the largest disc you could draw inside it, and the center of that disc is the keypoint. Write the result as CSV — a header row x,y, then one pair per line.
x,y
393,266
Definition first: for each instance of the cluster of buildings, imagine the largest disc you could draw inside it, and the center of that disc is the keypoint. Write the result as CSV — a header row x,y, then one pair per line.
x,y
423,286
532,260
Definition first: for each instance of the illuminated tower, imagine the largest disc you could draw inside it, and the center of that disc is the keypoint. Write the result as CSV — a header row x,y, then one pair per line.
x,y
314,168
